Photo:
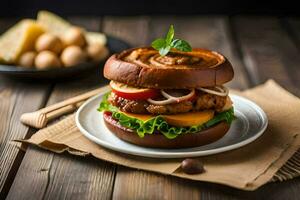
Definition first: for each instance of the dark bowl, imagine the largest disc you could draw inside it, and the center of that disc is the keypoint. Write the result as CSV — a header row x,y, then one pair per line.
x,y
114,45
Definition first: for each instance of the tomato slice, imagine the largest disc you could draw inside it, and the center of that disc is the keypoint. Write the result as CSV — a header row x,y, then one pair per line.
x,y
133,93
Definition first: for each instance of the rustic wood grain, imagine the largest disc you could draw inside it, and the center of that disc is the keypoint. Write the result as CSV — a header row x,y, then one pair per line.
x,y
134,30
61,176
16,98
133,184
54,176
293,27
268,51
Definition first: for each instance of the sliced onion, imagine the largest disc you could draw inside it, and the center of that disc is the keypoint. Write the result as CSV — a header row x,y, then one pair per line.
x,y
171,99
222,91
126,88
162,102
178,99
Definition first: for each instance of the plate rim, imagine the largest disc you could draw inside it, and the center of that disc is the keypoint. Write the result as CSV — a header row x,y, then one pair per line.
x,y
154,154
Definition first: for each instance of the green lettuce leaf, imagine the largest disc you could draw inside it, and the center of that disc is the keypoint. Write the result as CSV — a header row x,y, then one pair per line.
x,y
159,124
105,105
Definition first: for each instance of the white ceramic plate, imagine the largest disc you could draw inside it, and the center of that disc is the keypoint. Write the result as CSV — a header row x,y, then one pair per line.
x,y
251,122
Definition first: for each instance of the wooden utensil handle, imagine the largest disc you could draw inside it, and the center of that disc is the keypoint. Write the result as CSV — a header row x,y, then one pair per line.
x,y
61,111
40,118
74,100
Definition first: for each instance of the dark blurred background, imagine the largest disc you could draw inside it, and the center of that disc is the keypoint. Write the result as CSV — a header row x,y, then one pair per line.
x,y
15,8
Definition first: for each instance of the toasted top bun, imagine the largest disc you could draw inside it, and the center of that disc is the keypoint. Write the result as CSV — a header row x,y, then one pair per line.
x,y
144,67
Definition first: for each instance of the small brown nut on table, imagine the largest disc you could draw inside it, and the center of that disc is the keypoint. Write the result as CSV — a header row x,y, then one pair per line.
x,y
192,166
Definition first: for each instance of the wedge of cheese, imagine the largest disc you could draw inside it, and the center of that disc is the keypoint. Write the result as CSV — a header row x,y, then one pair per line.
x,y
96,38
18,39
180,120
58,26
53,23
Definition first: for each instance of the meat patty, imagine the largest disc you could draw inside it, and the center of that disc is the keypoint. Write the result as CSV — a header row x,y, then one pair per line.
x,y
181,107
203,101
126,105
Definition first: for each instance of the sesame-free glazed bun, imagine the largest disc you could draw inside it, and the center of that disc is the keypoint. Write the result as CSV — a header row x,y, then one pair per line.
x,y
158,140
144,67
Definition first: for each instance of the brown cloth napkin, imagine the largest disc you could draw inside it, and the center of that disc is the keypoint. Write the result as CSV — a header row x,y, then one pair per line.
x,y
272,157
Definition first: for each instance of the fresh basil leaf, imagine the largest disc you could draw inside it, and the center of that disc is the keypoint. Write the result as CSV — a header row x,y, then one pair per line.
x,y
158,43
165,45
170,35
164,51
181,45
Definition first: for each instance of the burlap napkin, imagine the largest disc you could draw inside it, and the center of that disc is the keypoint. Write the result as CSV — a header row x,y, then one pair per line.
x,y
272,157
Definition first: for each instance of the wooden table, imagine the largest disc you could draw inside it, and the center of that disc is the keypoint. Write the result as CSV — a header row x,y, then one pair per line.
x,y
258,47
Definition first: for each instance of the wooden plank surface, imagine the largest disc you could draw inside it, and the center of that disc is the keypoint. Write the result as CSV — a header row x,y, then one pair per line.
x,y
55,176
134,30
134,184
293,28
266,51
15,98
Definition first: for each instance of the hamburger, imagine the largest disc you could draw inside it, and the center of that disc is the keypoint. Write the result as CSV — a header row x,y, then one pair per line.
x,y
168,100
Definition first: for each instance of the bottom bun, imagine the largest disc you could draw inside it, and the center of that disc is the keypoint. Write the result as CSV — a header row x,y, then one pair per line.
x,y
158,140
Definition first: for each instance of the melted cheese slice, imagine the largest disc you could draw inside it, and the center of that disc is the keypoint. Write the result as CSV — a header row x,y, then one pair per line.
x,y
189,119
182,119
143,117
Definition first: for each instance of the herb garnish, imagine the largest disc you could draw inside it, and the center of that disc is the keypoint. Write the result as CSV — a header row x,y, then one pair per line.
x,y
164,45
